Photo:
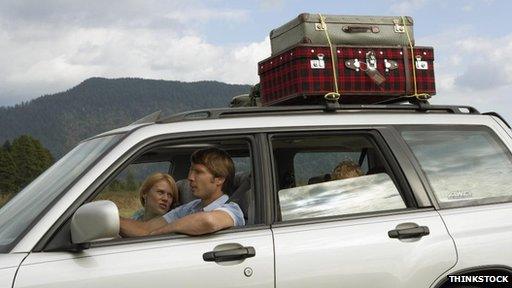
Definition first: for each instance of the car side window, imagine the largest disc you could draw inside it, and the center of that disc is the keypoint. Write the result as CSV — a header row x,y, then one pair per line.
x,y
309,174
173,159
466,166
332,175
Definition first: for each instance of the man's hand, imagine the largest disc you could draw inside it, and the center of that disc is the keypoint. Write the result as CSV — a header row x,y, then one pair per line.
x,y
197,224
134,228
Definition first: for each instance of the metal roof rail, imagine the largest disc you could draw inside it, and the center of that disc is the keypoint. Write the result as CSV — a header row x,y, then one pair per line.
x,y
153,117
291,110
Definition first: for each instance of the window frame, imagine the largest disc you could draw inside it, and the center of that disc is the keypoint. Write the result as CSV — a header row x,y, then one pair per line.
x,y
423,176
60,228
376,138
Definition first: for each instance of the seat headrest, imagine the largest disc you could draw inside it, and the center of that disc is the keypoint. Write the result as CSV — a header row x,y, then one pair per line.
x,y
184,191
240,179
319,179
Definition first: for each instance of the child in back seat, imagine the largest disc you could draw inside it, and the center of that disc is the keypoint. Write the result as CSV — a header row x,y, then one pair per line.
x,y
346,169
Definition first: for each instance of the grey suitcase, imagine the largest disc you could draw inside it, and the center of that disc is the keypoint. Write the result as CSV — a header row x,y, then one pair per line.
x,y
343,30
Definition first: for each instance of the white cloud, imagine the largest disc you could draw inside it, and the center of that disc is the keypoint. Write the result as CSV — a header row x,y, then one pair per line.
x,y
402,7
272,4
472,70
155,14
87,52
52,47
467,8
205,15
483,62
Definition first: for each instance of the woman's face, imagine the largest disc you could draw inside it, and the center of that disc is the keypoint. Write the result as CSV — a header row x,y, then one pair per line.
x,y
159,198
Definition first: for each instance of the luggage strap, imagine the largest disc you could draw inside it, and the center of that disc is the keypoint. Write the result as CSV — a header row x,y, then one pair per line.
x,y
421,96
335,95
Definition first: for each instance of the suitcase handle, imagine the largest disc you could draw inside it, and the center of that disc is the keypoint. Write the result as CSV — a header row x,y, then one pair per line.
x,y
360,29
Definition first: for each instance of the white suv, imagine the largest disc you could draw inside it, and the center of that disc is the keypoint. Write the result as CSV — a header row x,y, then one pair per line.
x,y
434,200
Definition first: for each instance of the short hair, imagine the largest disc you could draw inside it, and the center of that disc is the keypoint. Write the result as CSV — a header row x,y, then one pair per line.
x,y
219,164
152,180
346,169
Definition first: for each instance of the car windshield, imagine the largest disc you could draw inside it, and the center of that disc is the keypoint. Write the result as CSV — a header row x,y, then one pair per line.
x,y
21,211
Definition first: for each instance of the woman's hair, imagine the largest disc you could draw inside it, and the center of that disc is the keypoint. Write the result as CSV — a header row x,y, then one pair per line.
x,y
346,169
152,180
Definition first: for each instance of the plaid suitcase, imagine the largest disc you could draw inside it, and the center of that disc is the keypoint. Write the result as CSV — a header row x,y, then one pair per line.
x,y
342,30
304,74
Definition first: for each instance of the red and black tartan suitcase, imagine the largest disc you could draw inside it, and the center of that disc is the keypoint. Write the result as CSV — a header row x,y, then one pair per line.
x,y
366,75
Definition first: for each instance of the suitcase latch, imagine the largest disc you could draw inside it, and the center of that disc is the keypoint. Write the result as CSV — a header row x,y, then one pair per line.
x,y
318,63
421,65
371,61
390,65
353,64
398,28
371,68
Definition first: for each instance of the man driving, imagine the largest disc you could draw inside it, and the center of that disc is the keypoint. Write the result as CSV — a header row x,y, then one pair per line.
x,y
211,174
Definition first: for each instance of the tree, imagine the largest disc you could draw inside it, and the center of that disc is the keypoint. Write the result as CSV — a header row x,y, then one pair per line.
x,y
130,183
30,158
8,173
7,145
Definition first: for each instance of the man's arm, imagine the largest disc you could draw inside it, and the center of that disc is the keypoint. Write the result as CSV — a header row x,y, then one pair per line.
x,y
198,224
134,228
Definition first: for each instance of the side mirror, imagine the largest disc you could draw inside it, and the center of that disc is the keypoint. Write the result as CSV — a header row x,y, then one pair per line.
x,y
94,221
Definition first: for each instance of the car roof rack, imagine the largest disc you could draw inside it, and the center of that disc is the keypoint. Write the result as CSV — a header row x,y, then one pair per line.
x,y
293,110
153,117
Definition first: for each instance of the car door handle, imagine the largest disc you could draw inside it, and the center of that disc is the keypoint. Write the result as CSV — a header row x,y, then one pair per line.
x,y
229,255
409,230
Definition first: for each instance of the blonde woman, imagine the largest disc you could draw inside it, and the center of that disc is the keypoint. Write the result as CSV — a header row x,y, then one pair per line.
x,y
158,194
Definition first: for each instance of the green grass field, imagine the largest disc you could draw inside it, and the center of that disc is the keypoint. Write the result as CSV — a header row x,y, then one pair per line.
x,y
127,201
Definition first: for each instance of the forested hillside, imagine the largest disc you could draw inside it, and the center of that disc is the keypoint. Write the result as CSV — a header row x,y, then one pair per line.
x,y
96,105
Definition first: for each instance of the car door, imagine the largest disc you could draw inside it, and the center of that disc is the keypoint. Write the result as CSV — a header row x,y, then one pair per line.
x,y
362,231
166,260
176,262
468,170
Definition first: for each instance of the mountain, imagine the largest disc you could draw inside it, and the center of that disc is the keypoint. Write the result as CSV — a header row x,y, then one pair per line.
x,y
96,105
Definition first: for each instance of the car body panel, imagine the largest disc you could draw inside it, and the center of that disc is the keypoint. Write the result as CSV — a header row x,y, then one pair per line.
x,y
482,235
164,263
359,253
9,264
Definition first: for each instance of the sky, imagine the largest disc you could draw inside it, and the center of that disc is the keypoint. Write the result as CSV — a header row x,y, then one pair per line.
x,y
51,46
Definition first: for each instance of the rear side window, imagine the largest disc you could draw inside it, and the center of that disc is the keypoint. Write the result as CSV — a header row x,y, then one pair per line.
x,y
467,166
332,175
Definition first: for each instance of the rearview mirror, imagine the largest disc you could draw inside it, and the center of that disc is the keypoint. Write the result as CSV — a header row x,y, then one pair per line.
x,y
95,221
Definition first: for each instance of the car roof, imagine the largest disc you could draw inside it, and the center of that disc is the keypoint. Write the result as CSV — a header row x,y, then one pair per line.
x,y
292,116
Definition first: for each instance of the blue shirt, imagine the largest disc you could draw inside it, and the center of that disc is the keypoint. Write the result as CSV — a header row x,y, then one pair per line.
x,y
218,205
138,215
